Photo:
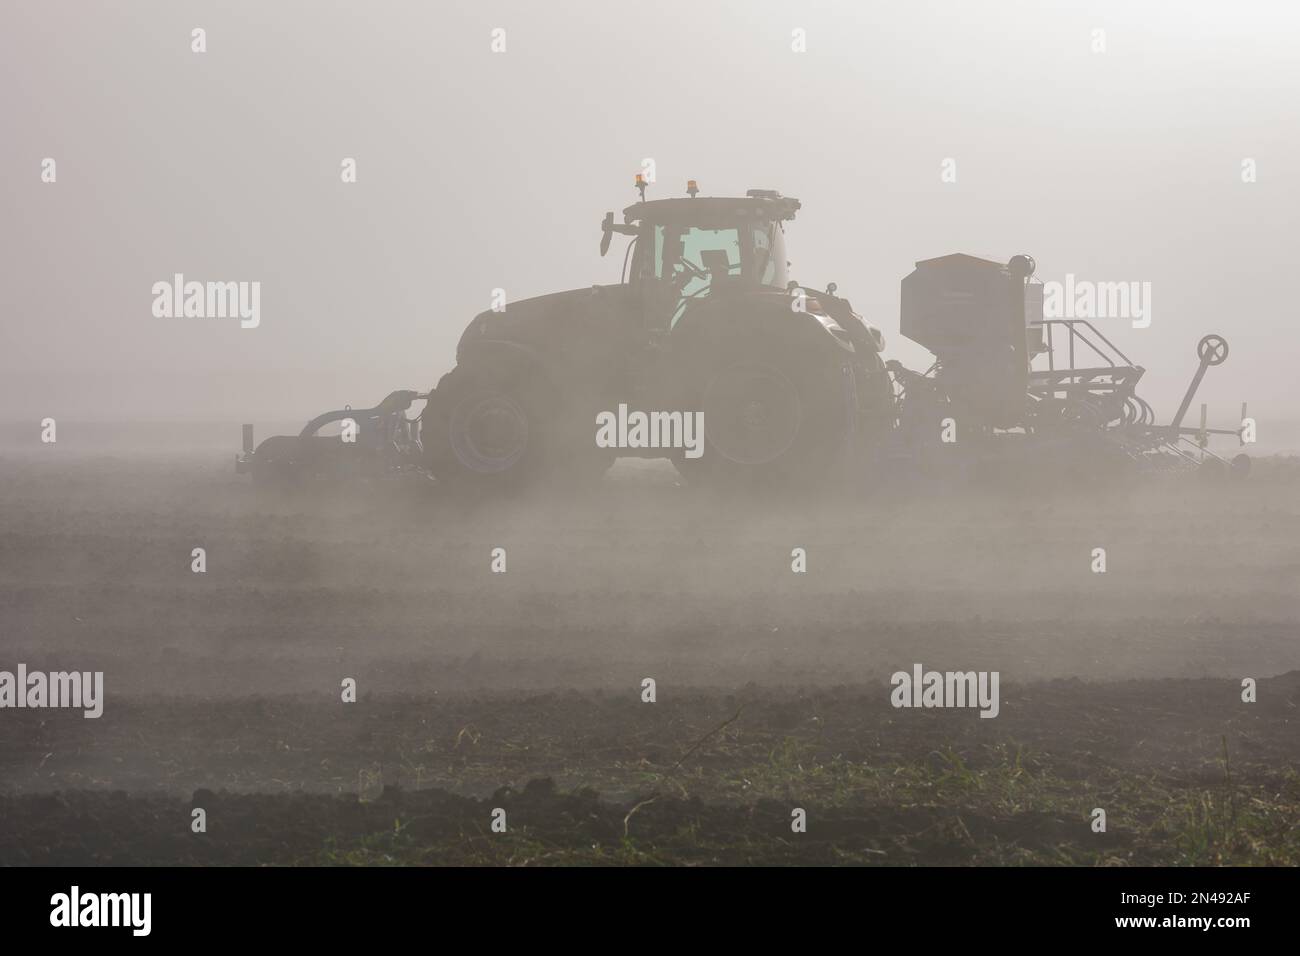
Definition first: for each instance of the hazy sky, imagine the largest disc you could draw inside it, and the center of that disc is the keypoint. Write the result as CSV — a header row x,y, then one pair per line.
x,y
479,170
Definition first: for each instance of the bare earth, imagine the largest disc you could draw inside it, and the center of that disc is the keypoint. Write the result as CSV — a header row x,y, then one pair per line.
x,y
522,690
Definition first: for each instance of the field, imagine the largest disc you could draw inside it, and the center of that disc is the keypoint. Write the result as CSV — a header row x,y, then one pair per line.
x,y
523,690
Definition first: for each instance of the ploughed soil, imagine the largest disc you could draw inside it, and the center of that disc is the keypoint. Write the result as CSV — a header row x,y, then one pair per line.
x,y
523,691
1185,771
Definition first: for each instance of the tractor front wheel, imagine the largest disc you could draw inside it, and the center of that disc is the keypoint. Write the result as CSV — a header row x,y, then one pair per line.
x,y
770,418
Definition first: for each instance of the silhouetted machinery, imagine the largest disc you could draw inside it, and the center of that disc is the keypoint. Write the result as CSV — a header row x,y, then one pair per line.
x,y
787,381
1002,370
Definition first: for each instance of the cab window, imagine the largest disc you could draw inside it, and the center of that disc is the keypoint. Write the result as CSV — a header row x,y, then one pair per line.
x,y
679,248
769,254
691,260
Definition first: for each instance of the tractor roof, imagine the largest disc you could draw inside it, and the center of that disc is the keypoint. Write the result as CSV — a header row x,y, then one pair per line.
x,y
759,204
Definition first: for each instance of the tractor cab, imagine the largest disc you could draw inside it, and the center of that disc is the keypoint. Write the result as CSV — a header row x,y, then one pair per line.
x,y
687,251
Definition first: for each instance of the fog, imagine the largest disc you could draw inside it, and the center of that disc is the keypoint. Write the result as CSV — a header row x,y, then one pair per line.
x,y
362,652
479,170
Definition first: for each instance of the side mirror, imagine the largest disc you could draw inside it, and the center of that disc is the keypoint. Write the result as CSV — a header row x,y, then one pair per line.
x,y
607,232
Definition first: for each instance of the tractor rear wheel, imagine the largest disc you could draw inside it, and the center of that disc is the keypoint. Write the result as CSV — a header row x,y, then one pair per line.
x,y
496,429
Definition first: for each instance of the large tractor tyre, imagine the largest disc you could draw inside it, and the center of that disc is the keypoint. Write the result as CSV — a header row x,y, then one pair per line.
x,y
773,416
496,429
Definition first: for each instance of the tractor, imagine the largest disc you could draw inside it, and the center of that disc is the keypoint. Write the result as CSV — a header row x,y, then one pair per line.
x,y
704,321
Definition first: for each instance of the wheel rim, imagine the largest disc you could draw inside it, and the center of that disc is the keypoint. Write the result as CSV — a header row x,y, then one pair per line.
x,y
752,414
489,433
